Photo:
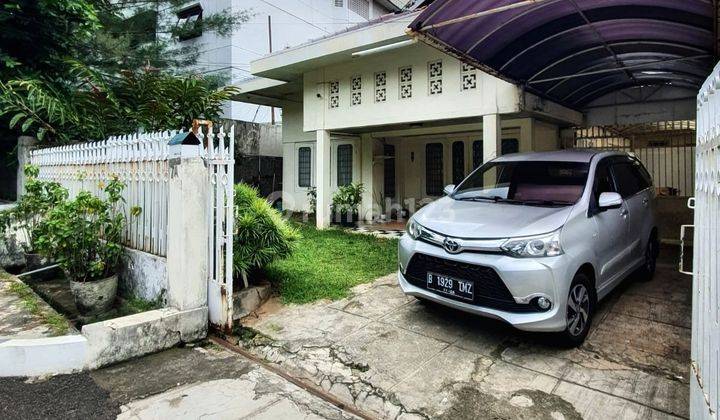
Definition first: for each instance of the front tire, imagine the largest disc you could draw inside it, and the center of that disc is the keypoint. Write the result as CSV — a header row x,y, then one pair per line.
x,y
579,310
647,271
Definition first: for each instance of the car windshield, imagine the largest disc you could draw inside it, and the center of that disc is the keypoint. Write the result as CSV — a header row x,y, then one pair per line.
x,y
526,182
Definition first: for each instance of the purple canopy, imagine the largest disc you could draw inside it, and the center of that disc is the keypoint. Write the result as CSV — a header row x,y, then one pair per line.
x,y
615,44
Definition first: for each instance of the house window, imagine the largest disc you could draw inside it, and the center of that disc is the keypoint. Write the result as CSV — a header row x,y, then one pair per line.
x,y
469,77
458,162
334,94
189,24
509,146
434,169
477,153
405,85
344,164
435,73
389,178
356,91
338,3
380,86
361,7
304,167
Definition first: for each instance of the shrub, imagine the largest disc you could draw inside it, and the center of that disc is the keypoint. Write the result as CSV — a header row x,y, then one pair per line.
x,y
346,200
40,197
84,234
262,235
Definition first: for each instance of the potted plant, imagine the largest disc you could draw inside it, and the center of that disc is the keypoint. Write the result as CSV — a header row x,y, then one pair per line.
x,y
84,236
18,224
345,204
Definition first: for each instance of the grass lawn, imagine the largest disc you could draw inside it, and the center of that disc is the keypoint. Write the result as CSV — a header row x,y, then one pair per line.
x,y
327,263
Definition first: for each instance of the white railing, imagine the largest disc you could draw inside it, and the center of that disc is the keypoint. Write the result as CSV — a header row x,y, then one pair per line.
x,y
140,161
705,353
219,153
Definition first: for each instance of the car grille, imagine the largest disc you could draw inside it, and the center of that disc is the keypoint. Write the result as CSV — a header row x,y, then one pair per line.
x,y
490,291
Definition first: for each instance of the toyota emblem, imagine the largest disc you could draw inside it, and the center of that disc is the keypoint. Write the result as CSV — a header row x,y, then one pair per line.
x,y
451,246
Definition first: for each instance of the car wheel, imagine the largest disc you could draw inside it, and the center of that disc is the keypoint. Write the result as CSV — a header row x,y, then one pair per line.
x,y
647,271
579,311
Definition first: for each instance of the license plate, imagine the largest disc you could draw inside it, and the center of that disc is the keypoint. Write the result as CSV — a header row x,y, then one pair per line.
x,y
462,289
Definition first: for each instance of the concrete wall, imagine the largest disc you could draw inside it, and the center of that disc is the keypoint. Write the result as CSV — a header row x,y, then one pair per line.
x,y
642,105
143,275
491,95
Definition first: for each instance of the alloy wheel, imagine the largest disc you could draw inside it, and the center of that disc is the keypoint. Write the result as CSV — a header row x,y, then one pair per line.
x,y
650,257
578,309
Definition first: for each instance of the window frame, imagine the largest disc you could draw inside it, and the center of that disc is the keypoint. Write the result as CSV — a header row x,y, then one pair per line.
x,y
184,15
299,167
441,148
343,147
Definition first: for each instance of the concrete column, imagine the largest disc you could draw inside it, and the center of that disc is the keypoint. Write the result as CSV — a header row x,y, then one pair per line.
x,y
322,179
187,231
25,145
367,159
492,137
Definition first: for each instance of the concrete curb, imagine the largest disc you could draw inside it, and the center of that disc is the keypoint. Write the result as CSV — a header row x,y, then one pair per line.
x,y
103,343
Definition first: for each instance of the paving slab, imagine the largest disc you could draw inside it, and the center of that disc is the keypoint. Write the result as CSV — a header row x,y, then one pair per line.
x,y
17,320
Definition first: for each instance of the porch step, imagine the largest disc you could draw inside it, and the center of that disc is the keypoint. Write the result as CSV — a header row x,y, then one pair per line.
x,y
246,301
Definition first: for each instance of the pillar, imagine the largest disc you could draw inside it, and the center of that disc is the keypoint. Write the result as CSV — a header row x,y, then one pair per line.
x,y
492,137
322,179
24,146
367,159
187,231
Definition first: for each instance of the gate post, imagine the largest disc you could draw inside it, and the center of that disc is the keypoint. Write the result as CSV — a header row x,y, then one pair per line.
x,y
187,229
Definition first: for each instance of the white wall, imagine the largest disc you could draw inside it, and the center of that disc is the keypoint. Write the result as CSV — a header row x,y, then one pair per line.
x,y
491,95
292,21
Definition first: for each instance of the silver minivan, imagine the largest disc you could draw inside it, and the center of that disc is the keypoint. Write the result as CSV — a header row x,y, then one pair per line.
x,y
534,239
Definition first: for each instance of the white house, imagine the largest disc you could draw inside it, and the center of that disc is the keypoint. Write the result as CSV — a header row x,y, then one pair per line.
x,y
371,105
273,25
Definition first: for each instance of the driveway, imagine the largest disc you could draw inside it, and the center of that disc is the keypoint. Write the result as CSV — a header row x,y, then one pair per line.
x,y
394,357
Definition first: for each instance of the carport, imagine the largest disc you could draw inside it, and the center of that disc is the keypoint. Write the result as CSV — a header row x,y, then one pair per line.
x,y
634,68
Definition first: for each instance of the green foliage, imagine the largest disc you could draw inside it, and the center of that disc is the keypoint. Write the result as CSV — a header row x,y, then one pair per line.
x,y
347,198
98,107
84,234
40,197
262,235
327,263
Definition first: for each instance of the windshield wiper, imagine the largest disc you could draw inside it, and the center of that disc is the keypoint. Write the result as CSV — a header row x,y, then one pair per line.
x,y
494,198
544,202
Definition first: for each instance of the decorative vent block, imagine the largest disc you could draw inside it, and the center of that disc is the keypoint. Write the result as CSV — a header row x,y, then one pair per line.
x,y
406,75
356,91
435,79
380,87
334,94
469,77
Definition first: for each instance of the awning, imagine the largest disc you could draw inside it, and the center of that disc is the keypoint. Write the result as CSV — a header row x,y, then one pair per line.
x,y
574,51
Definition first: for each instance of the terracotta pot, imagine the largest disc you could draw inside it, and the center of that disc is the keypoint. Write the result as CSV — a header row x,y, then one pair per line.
x,y
94,297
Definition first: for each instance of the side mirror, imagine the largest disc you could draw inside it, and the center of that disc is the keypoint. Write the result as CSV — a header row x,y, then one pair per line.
x,y
609,200
449,189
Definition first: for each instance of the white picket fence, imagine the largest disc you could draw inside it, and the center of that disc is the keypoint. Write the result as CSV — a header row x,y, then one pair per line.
x,y
140,161
705,352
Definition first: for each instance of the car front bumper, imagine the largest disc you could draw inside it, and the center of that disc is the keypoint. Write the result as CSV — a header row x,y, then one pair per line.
x,y
525,278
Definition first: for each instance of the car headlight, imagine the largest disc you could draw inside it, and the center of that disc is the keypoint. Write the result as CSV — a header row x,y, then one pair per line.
x,y
547,245
413,228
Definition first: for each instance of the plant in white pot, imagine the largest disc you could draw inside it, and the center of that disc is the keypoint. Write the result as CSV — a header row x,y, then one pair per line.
x,y
18,224
84,236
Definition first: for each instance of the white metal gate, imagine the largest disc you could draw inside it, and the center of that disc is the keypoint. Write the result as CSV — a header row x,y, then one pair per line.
x,y
220,157
705,356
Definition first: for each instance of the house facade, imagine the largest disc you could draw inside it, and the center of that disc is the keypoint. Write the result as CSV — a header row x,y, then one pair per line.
x,y
371,105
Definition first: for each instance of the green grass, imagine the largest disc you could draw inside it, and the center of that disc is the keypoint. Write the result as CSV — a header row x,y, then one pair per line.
x,y
327,263
58,323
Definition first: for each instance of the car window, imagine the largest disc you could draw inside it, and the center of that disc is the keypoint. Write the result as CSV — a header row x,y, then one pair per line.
x,y
627,179
644,177
603,180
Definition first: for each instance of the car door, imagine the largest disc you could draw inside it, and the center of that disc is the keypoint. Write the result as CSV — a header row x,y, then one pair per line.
x,y
611,227
633,192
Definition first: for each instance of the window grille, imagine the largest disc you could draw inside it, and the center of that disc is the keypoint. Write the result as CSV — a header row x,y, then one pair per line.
x,y
344,164
356,91
435,77
469,77
380,87
334,94
434,169
405,84
304,167
458,162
